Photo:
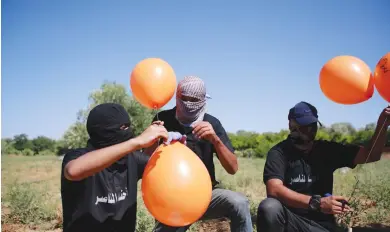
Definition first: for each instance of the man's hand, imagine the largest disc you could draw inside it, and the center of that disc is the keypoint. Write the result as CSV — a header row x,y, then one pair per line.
x,y
204,130
384,117
158,123
151,135
332,205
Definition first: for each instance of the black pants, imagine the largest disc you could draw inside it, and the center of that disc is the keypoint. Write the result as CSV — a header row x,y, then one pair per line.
x,y
273,216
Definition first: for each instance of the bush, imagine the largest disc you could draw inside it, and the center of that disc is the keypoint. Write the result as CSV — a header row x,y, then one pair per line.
x,y
249,153
27,205
46,152
28,152
10,151
371,199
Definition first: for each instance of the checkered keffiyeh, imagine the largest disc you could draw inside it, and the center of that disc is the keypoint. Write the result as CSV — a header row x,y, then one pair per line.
x,y
190,112
191,86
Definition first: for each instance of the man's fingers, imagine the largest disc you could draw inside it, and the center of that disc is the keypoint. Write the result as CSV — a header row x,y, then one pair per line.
x,y
158,123
336,210
387,110
338,198
347,207
163,134
337,203
199,130
204,133
339,209
198,127
341,205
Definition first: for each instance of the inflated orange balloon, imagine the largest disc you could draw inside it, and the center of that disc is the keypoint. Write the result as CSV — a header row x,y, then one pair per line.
x,y
346,80
382,77
153,82
176,186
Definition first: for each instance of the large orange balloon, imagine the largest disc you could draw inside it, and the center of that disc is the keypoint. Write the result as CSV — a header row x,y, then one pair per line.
x,y
176,186
153,82
346,80
382,77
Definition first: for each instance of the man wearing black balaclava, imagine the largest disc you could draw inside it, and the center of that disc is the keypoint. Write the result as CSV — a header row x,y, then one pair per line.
x,y
99,182
298,174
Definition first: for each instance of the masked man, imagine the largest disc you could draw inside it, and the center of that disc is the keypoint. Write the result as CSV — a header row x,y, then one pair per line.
x,y
206,136
99,182
299,174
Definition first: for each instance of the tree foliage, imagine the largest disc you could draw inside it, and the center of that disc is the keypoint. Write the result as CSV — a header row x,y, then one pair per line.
x,y
246,143
250,144
110,92
22,145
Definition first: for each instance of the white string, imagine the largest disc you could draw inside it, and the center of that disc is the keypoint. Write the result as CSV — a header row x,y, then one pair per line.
x,y
155,109
368,156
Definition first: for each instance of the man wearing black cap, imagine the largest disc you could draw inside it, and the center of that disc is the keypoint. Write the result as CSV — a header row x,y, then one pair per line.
x,y
99,182
299,173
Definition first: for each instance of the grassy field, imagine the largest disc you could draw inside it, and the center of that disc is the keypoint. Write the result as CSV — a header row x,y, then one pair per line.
x,y
31,198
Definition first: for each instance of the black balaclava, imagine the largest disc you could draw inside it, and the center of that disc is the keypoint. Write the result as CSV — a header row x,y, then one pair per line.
x,y
104,125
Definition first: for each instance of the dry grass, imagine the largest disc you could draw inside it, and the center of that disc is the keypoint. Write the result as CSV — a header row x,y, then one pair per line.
x,y
38,179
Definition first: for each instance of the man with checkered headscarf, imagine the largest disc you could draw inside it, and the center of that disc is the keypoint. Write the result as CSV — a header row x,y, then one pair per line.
x,y
206,136
190,100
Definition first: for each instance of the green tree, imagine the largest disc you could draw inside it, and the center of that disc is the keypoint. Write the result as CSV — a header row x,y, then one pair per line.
x,y
7,147
22,142
42,143
252,144
109,92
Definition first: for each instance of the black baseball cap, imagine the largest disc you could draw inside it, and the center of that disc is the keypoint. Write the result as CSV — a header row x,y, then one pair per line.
x,y
304,114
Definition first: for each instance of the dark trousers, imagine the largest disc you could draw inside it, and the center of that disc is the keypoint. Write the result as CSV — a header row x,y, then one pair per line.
x,y
273,216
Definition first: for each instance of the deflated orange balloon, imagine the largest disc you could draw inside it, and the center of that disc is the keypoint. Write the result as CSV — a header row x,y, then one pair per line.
x,y
382,77
176,186
153,82
346,80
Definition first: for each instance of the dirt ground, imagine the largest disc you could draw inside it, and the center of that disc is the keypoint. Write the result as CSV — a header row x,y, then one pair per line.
x,y
218,225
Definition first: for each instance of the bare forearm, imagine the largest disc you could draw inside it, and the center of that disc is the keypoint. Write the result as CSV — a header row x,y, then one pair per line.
x,y
289,197
226,157
97,160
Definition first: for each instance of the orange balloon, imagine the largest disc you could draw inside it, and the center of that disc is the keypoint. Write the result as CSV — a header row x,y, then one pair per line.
x,y
153,82
346,80
176,186
382,77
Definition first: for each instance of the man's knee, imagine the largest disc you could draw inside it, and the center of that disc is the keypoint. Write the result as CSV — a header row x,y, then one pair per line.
x,y
239,203
160,227
269,209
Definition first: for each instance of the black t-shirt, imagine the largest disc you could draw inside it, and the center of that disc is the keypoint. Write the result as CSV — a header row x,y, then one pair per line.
x,y
310,174
203,148
106,201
